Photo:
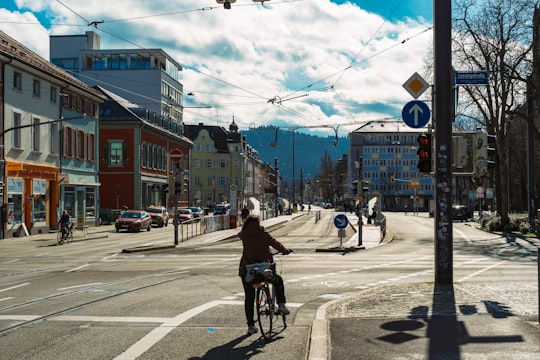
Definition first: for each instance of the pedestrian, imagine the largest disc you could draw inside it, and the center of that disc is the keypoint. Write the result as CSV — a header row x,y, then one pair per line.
x,y
256,243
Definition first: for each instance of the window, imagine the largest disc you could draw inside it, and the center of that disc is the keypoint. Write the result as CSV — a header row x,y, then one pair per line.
x,y
209,163
69,142
197,164
53,133
222,163
53,96
81,145
222,181
37,88
116,155
17,130
91,147
35,134
17,80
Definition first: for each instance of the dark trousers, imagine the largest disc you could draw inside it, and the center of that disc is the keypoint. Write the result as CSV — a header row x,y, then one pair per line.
x,y
249,299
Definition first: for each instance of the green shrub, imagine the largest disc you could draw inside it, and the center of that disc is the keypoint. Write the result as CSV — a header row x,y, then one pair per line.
x,y
524,228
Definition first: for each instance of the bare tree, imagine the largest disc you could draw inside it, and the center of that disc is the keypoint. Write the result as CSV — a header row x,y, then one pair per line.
x,y
494,35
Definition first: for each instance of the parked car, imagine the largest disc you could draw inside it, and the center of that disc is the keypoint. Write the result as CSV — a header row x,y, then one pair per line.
x,y
221,209
134,220
184,215
159,214
197,212
461,212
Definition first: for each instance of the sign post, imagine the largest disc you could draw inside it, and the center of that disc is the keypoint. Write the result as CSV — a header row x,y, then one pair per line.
x,y
176,157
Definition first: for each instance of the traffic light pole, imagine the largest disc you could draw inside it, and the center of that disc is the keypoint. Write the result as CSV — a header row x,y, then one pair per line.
x,y
443,116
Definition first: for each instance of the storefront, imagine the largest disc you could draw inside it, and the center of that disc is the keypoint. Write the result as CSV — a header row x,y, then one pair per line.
x,y
30,198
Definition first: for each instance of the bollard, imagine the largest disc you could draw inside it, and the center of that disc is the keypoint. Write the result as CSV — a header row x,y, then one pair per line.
x,y
360,225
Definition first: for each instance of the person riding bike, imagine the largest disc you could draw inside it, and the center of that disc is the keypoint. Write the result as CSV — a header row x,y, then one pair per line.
x,y
256,242
64,223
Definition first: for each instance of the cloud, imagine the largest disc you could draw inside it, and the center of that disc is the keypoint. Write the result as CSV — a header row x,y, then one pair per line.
x,y
298,53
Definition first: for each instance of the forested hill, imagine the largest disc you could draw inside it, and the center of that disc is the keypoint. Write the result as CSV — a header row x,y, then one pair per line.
x,y
308,149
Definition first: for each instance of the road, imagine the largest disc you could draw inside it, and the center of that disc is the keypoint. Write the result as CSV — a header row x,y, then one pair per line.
x,y
88,300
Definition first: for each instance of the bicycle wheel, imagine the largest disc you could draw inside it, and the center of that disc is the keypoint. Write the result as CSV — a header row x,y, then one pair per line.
x,y
265,310
59,238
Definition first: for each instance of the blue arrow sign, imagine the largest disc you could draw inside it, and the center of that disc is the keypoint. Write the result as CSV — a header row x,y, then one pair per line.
x,y
416,114
341,221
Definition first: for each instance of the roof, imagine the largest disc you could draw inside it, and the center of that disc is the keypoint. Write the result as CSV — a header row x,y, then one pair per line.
x,y
118,109
221,137
387,126
13,49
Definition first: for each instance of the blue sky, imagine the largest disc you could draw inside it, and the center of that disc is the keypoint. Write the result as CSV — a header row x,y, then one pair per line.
x,y
326,63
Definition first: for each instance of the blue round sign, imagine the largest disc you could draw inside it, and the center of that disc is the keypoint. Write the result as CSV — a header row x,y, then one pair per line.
x,y
416,114
341,221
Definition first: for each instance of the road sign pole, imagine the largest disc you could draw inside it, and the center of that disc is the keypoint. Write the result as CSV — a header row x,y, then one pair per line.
x,y
443,104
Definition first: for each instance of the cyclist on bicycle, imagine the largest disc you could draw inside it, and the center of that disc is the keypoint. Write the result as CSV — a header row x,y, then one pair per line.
x,y
64,223
256,242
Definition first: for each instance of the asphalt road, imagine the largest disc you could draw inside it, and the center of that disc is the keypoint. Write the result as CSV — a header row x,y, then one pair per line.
x,y
88,300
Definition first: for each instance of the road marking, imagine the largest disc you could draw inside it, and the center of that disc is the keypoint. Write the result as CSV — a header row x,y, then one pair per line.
x,y
8,298
78,268
14,287
482,271
78,286
12,261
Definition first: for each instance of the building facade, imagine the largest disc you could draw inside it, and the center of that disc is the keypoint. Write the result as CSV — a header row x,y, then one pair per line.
x,y
149,77
49,127
135,145
382,159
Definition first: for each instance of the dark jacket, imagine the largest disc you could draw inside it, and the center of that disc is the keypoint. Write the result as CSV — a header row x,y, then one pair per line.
x,y
256,242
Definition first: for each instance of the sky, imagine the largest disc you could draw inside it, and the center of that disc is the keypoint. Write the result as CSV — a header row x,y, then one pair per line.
x,y
318,65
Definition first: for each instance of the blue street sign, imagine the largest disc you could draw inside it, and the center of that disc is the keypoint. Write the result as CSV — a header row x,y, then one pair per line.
x,y
416,114
480,77
341,221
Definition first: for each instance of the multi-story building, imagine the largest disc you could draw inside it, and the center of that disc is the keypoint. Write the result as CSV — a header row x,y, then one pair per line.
x,y
49,127
147,77
222,160
136,169
136,141
382,158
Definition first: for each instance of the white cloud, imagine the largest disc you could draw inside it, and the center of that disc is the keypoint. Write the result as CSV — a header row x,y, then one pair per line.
x,y
264,52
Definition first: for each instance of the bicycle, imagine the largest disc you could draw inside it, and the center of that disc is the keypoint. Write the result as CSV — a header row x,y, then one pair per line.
x,y
265,298
66,235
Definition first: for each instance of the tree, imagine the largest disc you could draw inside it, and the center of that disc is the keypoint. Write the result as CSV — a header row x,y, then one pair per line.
x,y
494,35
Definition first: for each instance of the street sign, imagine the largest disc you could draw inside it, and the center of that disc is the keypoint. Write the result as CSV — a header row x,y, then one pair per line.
x,y
415,85
414,184
416,114
341,221
480,77
176,155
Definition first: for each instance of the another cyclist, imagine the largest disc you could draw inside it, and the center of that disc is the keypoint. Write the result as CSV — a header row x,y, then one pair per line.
x,y
64,223
256,242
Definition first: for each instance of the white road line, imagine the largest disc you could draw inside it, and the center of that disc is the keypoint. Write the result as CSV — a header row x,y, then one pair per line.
x,y
78,286
482,270
12,261
78,268
154,336
14,287
8,298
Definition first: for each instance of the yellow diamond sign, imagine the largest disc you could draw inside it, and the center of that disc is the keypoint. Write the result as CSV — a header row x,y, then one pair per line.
x,y
416,85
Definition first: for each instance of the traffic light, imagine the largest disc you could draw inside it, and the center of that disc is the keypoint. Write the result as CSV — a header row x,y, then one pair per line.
x,y
424,153
491,151
355,187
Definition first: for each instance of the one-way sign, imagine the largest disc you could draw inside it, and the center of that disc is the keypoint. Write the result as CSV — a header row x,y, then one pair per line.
x,y
416,114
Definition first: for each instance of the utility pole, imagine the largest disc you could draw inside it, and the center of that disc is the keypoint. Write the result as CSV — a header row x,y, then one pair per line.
x,y
443,116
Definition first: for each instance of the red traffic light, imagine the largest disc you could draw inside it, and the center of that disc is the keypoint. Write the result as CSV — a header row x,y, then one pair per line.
x,y
424,153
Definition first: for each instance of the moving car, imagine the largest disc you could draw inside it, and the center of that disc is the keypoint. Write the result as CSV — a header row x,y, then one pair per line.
x,y
461,212
134,220
159,214
197,212
184,215
221,209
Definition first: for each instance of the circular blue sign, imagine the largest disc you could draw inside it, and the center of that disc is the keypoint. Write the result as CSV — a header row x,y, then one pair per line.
x,y
341,221
416,114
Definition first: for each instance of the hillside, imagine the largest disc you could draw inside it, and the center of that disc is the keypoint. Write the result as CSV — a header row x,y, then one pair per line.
x,y
308,149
